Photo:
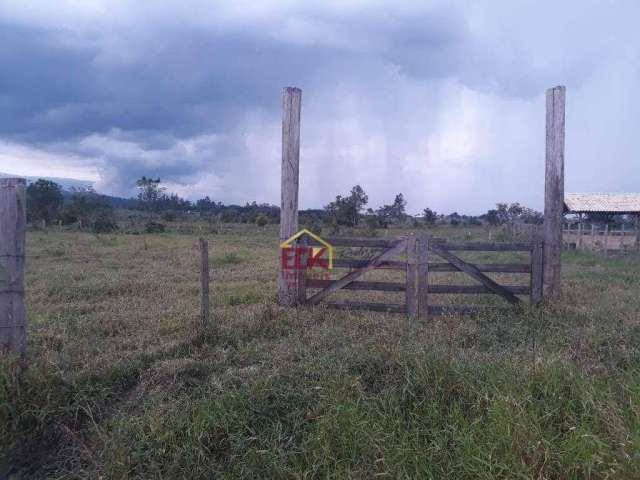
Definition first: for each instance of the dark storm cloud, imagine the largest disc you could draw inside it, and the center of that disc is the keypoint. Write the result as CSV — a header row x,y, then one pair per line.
x,y
171,83
397,97
183,81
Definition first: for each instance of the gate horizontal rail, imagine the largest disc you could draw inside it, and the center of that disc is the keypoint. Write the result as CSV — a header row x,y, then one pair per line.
x,y
417,267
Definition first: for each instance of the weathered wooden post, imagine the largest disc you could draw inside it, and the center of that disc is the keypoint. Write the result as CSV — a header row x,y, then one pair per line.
x,y
536,273
301,277
553,191
13,219
423,278
593,237
579,243
291,103
638,232
417,279
606,239
411,287
204,282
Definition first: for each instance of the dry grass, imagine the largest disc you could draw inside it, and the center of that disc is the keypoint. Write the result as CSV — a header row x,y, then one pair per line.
x,y
121,385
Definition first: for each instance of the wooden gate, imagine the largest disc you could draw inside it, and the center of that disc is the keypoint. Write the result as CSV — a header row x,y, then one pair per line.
x,y
412,255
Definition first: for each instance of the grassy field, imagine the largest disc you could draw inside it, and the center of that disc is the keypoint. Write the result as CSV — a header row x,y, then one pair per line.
x,y
122,385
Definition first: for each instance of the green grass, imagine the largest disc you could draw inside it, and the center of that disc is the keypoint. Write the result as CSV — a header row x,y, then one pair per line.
x,y
121,383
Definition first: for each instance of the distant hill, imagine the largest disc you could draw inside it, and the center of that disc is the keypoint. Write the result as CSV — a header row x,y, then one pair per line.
x,y
69,184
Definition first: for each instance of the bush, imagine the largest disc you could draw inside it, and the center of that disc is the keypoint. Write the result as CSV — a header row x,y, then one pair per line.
x,y
261,220
154,227
104,224
169,216
314,226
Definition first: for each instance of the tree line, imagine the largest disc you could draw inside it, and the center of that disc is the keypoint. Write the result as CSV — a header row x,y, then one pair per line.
x,y
47,202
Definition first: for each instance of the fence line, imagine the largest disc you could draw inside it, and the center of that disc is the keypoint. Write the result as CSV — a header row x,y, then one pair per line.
x,y
600,239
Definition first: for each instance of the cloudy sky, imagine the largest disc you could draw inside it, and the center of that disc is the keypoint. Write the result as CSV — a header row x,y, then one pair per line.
x,y
440,100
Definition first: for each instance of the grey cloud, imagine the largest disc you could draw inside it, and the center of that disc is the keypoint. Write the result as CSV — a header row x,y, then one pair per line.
x,y
393,97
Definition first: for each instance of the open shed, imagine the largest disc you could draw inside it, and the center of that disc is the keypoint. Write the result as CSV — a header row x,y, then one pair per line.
x,y
605,203
609,203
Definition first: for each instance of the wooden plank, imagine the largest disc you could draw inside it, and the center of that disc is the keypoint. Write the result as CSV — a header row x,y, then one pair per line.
x,y
486,246
579,243
484,267
423,278
204,282
468,246
438,310
291,105
536,274
359,242
13,220
378,286
476,289
475,273
352,276
301,273
553,191
374,307
411,291
351,263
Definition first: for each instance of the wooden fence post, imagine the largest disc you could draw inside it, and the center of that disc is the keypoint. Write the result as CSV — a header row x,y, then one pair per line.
x,y
411,286
593,237
579,243
638,232
553,191
204,282
606,239
301,273
13,219
536,273
423,278
291,103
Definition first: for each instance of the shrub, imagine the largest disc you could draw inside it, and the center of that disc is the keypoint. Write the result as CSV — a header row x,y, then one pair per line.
x,y
154,227
104,224
168,216
261,220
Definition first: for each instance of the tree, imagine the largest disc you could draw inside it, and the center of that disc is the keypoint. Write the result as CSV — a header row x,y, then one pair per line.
x,y
89,208
429,216
394,212
346,210
513,213
44,199
150,192
454,218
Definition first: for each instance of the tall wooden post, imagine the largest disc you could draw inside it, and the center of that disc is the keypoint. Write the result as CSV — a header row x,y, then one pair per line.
x,y
13,219
291,103
204,282
553,191
638,232
606,239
